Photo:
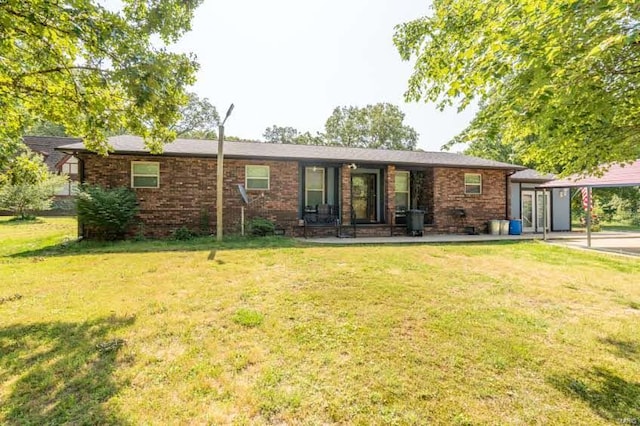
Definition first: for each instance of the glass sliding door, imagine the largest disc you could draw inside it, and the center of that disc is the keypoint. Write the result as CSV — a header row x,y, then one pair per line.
x,y
542,204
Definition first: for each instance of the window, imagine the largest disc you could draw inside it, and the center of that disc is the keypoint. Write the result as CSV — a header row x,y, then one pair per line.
x,y
473,183
314,186
257,177
70,167
402,191
145,174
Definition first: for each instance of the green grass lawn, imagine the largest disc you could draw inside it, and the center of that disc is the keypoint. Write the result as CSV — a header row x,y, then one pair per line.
x,y
278,332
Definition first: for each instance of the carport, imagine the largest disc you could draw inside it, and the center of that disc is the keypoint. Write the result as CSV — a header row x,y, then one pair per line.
x,y
616,175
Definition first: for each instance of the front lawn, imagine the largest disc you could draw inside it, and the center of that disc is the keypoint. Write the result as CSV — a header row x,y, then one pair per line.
x,y
278,332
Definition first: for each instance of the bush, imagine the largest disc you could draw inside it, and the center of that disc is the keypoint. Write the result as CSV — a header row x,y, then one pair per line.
x,y
182,234
261,227
109,212
28,186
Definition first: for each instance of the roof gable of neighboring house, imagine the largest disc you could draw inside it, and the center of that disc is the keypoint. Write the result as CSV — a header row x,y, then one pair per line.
x,y
312,153
46,145
530,175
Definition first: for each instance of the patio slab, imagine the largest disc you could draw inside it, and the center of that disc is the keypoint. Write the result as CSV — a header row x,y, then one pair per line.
x,y
627,243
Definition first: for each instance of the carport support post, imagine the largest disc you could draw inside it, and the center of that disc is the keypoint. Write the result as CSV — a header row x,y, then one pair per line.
x,y
544,214
588,217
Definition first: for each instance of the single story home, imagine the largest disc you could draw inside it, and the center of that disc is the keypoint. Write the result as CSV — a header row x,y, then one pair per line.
x,y
528,202
58,162
351,189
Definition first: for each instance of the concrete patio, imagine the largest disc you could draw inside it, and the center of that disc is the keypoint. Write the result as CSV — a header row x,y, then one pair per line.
x,y
627,243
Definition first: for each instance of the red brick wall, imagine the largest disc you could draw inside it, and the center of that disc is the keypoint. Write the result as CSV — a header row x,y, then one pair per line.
x,y
187,192
390,195
448,194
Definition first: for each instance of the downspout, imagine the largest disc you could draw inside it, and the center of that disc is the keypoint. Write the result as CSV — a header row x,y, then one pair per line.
x,y
81,178
507,193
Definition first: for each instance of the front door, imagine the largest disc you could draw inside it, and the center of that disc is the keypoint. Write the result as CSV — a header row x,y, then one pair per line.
x,y
533,211
363,193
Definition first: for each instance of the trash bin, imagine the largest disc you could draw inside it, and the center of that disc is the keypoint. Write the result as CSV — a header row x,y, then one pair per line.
x,y
494,227
504,227
515,227
415,222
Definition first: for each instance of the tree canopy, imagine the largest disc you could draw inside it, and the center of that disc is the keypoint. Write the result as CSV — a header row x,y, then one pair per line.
x,y
559,80
198,119
374,126
290,135
28,184
90,69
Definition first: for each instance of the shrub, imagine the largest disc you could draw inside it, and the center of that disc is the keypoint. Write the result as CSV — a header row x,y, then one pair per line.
x,y
182,234
109,212
260,226
28,186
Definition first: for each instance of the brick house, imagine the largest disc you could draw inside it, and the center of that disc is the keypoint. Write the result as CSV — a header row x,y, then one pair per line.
x,y
57,161
363,190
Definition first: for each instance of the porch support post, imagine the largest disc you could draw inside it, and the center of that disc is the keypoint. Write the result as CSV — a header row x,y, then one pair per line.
x,y
544,214
345,191
390,186
588,216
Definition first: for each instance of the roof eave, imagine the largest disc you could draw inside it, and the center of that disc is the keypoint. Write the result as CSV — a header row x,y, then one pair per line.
x,y
71,151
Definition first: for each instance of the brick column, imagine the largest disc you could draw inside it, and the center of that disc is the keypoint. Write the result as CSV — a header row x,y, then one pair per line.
x,y
345,190
390,202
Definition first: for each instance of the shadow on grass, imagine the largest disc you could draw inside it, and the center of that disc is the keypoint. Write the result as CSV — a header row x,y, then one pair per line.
x,y
627,349
59,372
610,396
17,221
74,248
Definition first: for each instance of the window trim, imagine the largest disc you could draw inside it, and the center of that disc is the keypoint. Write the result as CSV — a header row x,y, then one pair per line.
x,y
246,177
155,175
478,185
306,184
408,191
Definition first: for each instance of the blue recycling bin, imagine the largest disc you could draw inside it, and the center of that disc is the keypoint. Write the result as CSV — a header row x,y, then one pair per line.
x,y
515,227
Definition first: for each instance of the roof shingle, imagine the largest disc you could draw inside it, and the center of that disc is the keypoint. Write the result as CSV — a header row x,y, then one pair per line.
x,y
47,145
205,148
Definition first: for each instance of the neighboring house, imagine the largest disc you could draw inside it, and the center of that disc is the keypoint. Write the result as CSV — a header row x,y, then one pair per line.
x,y
528,202
57,161
297,184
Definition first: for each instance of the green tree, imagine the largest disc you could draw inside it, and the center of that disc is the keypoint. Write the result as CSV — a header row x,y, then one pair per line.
x,y
379,126
559,80
281,134
27,185
92,70
290,135
198,119
374,126
45,128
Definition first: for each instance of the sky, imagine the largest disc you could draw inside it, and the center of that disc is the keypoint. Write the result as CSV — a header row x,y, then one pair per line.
x,y
291,62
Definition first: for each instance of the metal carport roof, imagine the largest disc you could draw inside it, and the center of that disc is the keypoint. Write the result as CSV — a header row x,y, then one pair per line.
x,y
616,175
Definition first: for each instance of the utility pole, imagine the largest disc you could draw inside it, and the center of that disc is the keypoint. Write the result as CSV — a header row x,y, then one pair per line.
x,y
220,176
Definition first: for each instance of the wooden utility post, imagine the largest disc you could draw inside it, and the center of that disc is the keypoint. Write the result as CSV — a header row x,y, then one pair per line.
x,y
220,177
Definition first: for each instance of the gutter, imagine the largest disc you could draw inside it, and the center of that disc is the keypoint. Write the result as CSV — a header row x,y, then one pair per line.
x,y
507,193
302,159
